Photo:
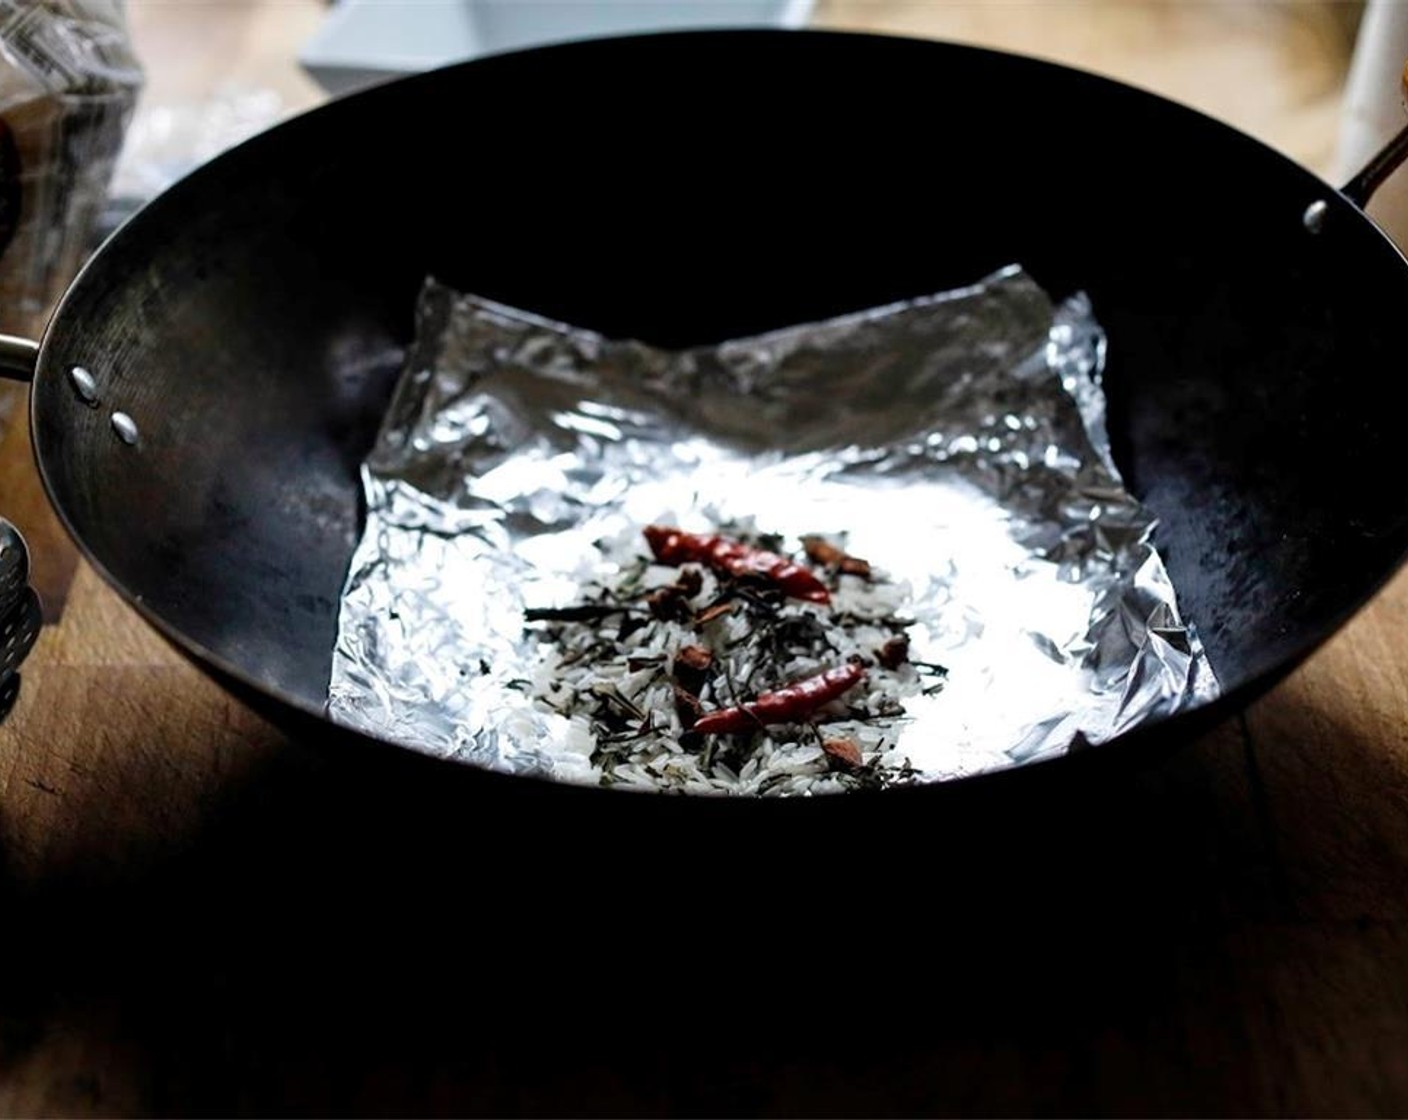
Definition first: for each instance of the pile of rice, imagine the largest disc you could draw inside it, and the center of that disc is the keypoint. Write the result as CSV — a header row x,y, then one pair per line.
x,y
611,672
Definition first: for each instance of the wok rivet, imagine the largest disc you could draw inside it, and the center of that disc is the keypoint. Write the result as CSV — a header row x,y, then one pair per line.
x,y
84,385
1314,216
125,427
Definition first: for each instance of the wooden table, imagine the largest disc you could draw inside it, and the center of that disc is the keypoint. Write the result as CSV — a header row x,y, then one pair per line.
x,y
1226,932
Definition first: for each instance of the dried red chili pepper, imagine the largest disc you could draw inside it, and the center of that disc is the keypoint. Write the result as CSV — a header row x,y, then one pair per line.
x,y
786,705
674,546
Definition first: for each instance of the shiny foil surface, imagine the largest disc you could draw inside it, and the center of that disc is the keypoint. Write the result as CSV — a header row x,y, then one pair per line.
x,y
956,441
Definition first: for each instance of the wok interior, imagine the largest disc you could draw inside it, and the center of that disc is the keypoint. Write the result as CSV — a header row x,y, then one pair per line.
x,y
686,189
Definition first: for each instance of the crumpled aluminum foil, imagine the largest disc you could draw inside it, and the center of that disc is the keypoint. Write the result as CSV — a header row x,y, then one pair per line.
x,y
957,440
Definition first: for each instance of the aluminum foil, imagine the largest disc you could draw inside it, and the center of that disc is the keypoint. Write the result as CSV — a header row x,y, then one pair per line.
x,y
958,441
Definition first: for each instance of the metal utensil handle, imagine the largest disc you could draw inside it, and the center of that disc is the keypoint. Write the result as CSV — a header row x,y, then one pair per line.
x,y
20,616
17,358
1384,162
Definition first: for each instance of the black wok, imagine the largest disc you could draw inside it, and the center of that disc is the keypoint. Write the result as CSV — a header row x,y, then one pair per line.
x,y
684,189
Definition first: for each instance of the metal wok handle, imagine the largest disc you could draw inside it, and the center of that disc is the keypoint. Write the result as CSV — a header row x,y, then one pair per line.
x,y
20,616
1384,163
17,358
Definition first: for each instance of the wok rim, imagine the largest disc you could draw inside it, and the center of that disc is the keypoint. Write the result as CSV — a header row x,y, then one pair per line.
x,y
1177,727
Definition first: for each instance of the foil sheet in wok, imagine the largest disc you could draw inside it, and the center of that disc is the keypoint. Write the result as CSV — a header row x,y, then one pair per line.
x,y
958,441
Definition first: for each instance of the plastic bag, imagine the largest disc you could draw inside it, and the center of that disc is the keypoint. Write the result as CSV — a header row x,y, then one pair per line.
x,y
68,83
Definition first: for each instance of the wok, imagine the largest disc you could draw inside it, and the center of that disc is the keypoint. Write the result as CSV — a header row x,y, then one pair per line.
x,y
683,189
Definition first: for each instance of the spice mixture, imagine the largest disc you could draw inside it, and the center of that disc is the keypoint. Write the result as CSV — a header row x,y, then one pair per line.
x,y
719,664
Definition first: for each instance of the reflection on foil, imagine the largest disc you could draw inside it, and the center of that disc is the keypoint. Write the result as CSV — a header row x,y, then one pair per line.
x,y
958,440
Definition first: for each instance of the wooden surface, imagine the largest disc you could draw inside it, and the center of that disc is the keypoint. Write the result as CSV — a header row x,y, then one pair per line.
x,y
198,917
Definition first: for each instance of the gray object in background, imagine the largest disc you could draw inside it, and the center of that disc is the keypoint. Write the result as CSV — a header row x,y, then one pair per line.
x,y
364,42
